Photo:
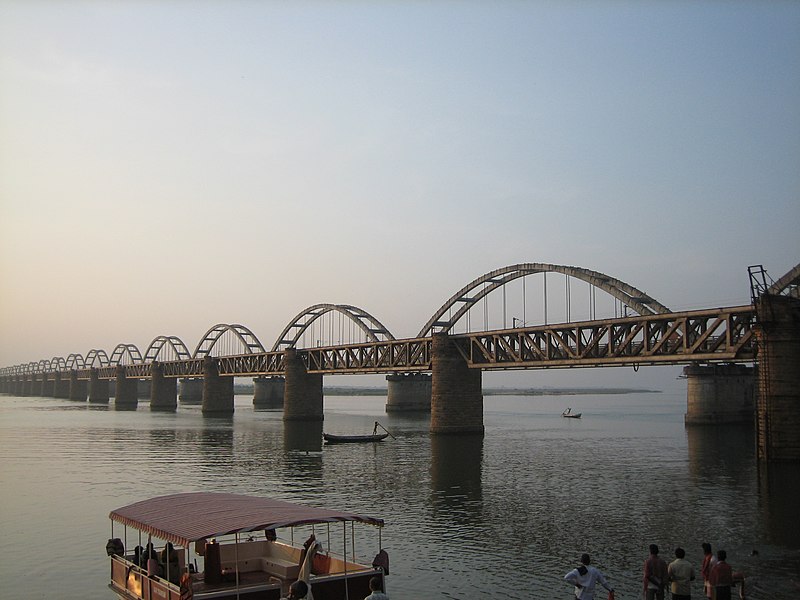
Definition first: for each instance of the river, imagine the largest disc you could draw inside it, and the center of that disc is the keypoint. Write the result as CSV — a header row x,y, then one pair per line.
x,y
504,515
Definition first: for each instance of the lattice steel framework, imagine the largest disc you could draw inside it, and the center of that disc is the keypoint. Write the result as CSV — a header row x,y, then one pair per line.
x,y
125,354
75,361
168,347
373,329
96,358
476,290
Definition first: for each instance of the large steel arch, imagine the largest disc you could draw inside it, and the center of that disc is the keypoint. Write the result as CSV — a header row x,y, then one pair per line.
x,y
476,290
33,367
788,281
57,363
75,361
98,356
171,345
125,354
371,327
43,366
242,333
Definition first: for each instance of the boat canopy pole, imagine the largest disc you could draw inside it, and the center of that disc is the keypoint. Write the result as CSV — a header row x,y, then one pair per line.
x,y
346,587
236,557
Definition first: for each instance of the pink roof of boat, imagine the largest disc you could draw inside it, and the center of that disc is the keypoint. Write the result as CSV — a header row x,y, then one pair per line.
x,y
185,518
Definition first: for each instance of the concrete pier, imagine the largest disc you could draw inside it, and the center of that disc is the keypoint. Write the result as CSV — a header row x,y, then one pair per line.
x,y
163,390
268,392
456,394
302,392
778,407
78,388
190,391
125,389
98,388
217,390
719,394
47,387
25,386
408,392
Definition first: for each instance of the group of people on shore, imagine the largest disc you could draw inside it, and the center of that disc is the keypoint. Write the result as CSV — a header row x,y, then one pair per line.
x,y
718,577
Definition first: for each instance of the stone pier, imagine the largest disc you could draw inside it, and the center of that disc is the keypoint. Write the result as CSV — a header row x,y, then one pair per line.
x,y
302,392
25,386
125,389
408,392
778,406
163,390
61,385
719,394
217,390
78,388
456,393
98,388
268,392
47,387
190,391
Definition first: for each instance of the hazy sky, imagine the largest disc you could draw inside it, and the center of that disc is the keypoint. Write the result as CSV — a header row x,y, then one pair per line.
x,y
166,166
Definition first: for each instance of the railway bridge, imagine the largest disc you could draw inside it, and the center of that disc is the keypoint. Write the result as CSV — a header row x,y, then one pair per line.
x,y
440,369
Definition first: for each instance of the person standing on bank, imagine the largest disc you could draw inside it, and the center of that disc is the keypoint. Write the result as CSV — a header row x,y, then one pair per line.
x,y
705,570
721,578
584,578
655,575
681,575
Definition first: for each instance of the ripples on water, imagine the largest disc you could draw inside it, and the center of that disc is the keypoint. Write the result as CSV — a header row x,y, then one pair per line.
x,y
503,515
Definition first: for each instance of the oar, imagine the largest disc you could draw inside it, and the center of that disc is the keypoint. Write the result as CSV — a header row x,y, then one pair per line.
x,y
386,430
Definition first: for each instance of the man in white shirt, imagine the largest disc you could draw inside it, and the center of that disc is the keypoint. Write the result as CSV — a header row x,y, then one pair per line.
x,y
584,578
681,575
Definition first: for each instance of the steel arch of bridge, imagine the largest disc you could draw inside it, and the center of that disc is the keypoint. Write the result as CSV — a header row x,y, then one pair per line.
x,y
170,342
123,352
242,333
790,279
75,361
476,290
371,327
96,355
57,363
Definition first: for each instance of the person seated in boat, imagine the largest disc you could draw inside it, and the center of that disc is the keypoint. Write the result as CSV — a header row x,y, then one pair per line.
x,y
170,563
299,589
137,556
150,560
270,535
376,588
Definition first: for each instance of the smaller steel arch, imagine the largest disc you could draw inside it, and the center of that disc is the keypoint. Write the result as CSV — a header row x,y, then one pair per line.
x,y
75,361
371,327
44,366
169,343
242,333
789,280
32,367
96,358
57,363
123,353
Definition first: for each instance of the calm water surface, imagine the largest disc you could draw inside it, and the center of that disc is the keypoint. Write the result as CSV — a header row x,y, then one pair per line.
x,y
499,516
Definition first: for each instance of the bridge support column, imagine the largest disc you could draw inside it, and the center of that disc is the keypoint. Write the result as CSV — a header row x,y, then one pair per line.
x,y
303,391
61,385
190,391
268,392
778,407
25,387
163,390
217,391
456,393
125,389
78,388
98,388
719,394
408,392
47,387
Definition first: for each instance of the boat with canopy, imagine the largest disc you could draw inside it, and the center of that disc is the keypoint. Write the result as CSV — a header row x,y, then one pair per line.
x,y
223,546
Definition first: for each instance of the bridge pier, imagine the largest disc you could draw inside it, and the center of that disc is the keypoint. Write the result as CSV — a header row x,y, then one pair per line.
x,y
125,389
302,400
78,388
98,388
47,387
268,392
163,390
719,394
190,391
408,392
456,393
217,390
25,387
778,408
60,386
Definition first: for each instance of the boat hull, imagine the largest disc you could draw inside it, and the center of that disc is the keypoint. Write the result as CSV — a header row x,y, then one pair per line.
x,y
353,439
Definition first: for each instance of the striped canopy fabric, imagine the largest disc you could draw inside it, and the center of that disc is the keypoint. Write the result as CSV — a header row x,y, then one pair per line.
x,y
186,518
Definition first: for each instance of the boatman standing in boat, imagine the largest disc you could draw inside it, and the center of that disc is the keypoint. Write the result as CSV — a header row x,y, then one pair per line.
x,y
585,577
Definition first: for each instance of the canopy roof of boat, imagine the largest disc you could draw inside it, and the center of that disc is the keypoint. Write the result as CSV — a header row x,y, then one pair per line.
x,y
185,518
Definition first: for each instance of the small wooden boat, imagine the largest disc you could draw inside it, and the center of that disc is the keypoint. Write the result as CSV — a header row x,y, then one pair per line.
x,y
568,414
375,436
245,547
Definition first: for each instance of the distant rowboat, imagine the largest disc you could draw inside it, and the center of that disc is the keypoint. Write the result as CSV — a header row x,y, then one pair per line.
x,y
349,439
570,415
